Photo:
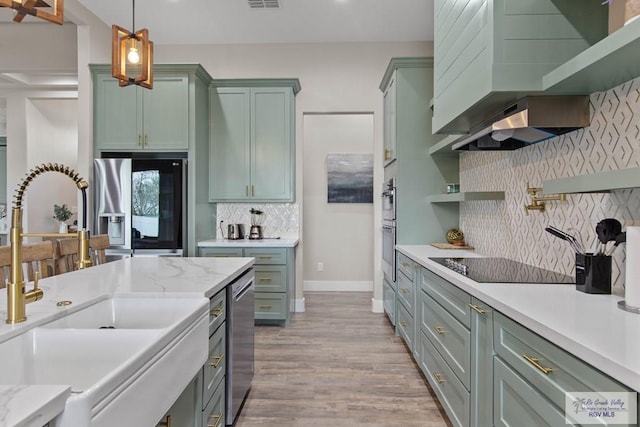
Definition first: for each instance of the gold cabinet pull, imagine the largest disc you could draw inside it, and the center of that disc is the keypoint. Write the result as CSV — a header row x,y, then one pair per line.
x,y
403,323
265,306
216,362
253,193
265,279
165,423
536,362
265,257
405,264
439,379
477,308
387,154
216,423
440,330
404,290
139,140
216,312
146,140
246,190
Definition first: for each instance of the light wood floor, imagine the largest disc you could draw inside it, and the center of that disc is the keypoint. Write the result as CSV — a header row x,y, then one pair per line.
x,y
337,364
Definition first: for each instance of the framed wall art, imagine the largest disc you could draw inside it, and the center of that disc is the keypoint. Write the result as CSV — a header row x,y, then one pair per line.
x,y
349,178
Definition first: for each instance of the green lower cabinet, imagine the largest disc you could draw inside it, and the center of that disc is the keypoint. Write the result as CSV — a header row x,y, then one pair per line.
x,y
213,414
451,393
389,300
405,325
481,386
516,403
274,279
185,411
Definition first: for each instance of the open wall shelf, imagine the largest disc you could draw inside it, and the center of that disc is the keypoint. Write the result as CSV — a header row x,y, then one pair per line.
x,y
594,183
466,196
606,64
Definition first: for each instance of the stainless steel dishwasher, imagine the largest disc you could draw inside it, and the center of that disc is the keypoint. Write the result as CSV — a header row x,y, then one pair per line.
x,y
240,343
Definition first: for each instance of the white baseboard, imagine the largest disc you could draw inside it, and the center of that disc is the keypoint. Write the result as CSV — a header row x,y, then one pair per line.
x,y
337,286
377,306
299,306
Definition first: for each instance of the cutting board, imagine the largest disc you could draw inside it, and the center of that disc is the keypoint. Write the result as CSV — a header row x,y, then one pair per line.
x,y
450,246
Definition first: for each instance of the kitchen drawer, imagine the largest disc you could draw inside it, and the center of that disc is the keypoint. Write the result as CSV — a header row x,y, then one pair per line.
x,y
451,393
517,403
271,278
213,414
271,306
448,336
405,325
530,355
405,291
407,266
453,299
389,301
217,310
266,256
214,367
220,252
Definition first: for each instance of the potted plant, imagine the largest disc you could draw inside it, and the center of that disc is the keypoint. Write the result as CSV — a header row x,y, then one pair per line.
x,y
61,214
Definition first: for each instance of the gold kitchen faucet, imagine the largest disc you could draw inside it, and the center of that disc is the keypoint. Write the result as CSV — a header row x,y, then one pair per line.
x,y
17,297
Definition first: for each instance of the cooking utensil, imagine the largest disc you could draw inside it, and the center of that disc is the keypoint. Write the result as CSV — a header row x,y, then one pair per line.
x,y
606,230
564,236
620,238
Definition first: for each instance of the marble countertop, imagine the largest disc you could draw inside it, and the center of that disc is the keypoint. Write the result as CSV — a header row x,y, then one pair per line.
x,y
589,326
33,405
264,243
22,406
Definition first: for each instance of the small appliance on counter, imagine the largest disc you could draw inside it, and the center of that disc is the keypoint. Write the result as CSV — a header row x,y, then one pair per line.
x,y
235,231
257,219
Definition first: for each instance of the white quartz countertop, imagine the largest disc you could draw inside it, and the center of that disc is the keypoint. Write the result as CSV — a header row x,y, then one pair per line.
x,y
32,406
242,243
589,326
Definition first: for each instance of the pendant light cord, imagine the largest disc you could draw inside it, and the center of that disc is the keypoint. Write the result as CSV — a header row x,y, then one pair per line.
x,y
133,13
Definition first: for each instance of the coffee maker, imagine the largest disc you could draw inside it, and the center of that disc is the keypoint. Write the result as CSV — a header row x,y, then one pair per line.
x,y
257,218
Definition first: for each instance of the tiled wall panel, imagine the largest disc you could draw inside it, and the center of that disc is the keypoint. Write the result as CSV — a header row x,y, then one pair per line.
x,y
504,228
280,219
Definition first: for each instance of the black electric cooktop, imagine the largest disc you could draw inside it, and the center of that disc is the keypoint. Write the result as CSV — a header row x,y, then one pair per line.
x,y
502,270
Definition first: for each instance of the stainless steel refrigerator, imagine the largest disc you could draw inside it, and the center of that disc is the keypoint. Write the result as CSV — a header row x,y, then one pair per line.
x,y
141,205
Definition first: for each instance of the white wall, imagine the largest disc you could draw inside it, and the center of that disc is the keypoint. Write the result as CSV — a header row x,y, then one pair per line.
x,y
339,236
52,137
335,77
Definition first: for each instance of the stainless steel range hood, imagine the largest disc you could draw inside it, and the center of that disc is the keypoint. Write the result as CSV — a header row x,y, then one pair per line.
x,y
530,120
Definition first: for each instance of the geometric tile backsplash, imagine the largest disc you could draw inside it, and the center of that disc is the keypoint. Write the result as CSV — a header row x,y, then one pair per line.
x,y
503,228
280,219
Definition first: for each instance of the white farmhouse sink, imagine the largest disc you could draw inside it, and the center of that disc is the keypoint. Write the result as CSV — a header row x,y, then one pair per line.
x,y
128,312
126,375
79,358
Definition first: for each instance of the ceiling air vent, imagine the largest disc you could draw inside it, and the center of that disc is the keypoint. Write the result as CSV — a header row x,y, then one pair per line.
x,y
268,4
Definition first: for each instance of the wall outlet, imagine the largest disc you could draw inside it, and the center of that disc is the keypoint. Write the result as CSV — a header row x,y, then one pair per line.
x,y
320,266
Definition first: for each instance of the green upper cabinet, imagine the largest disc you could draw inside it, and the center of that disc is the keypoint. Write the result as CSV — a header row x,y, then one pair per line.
x,y
252,147
133,118
389,91
488,54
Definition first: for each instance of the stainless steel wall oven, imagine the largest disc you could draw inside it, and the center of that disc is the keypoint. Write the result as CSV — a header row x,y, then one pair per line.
x,y
389,229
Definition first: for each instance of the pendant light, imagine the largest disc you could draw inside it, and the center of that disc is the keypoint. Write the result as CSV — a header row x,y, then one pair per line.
x,y
23,8
132,55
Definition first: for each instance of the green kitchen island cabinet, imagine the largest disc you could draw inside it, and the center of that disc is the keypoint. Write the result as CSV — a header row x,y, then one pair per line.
x,y
252,140
133,118
202,403
488,53
274,273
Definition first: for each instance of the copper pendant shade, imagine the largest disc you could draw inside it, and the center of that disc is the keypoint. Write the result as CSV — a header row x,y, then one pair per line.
x,y
131,56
